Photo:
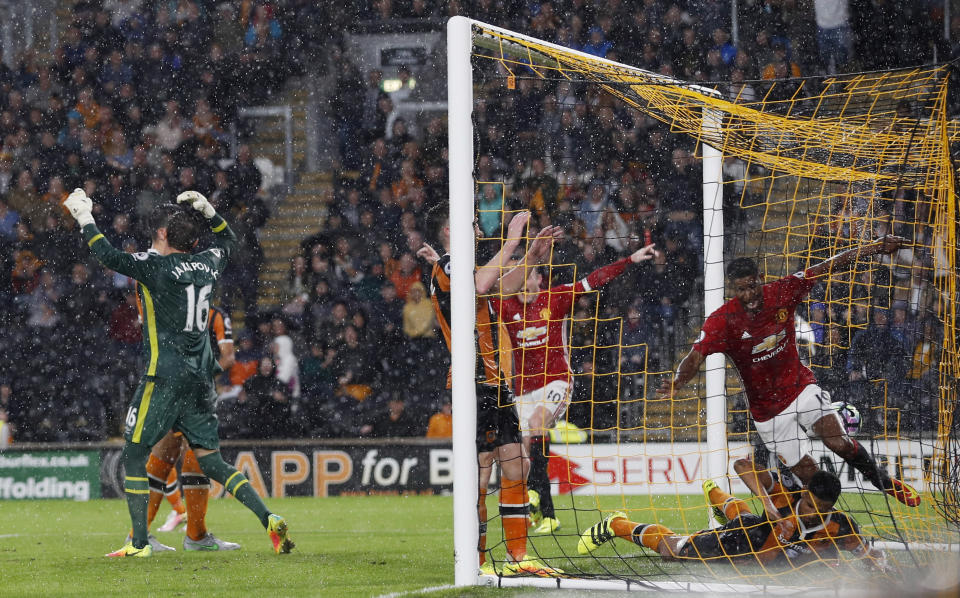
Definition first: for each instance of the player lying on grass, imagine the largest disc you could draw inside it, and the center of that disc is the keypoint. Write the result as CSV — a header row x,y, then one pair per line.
x,y
804,528
537,322
176,390
498,430
755,329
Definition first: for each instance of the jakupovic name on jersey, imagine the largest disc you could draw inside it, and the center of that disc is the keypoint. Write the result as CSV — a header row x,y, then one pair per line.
x,y
192,266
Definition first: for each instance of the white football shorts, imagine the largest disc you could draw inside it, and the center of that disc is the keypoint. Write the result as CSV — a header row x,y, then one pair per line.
x,y
788,433
554,397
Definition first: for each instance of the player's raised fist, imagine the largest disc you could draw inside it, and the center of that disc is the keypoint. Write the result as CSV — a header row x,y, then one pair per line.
x,y
80,207
198,202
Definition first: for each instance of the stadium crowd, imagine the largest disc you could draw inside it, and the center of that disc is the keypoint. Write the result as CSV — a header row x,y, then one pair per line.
x,y
134,106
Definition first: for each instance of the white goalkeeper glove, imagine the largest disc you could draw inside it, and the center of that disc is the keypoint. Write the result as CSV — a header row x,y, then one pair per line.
x,y
198,202
80,206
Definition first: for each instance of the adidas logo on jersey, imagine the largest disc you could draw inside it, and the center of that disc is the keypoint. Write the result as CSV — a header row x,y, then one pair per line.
x,y
745,335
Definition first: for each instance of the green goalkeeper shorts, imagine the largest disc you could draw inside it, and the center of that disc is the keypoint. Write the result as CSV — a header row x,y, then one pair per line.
x,y
186,404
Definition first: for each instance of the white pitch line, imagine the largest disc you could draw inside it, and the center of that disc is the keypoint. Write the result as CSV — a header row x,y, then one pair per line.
x,y
415,592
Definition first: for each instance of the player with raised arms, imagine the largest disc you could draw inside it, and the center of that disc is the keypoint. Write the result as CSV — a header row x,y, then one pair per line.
x,y
498,430
795,529
176,390
755,329
537,322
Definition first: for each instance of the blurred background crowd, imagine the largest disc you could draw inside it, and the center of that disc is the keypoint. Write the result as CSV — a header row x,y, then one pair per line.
x,y
136,104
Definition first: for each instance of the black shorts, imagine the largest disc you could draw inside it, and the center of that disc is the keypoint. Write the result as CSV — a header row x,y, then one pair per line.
x,y
497,421
742,537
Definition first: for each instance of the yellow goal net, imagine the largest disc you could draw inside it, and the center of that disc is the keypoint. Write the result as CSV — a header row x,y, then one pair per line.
x,y
808,168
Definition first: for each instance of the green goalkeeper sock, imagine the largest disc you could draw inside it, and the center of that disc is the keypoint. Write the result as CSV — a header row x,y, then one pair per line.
x,y
137,490
235,483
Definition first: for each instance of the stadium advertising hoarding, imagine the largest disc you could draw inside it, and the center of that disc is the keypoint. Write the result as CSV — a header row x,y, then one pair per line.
x,y
338,468
679,468
27,475
321,469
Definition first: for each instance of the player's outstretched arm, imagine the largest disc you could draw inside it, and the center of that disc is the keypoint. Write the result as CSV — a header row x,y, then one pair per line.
x,y
225,237
886,244
688,368
487,275
647,252
81,208
605,274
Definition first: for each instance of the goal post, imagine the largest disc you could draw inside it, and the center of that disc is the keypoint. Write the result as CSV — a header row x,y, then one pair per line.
x,y
460,37
713,296
462,291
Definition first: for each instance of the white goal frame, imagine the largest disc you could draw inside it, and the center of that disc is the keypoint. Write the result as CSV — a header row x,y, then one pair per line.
x,y
463,315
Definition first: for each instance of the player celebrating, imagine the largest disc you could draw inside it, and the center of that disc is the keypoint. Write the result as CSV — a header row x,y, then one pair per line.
x,y
755,329
804,528
176,390
161,466
498,434
537,323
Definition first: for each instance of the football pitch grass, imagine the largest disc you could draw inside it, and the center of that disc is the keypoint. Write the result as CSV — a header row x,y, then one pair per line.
x,y
346,546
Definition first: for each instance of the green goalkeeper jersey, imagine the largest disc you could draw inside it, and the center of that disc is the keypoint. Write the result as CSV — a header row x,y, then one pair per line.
x,y
174,292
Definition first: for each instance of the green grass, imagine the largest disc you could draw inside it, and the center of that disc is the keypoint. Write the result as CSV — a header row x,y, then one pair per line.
x,y
348,546
345,547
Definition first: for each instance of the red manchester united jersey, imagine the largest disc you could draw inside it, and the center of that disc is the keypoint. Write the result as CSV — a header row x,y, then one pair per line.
x,y
539,330
763,346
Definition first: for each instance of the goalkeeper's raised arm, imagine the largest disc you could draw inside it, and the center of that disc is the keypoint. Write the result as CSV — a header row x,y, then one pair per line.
x,y
225,237
132,265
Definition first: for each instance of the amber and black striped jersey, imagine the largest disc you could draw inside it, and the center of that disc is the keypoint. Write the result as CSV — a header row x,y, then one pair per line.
x,y
487,333
752,537
174,291
221,330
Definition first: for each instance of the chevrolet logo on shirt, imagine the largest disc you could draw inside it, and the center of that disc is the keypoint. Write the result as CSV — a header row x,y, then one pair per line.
x,y
769,342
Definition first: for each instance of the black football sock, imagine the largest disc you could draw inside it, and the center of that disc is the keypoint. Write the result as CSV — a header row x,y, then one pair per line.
x,y
235,483
864,462
136,489
539,478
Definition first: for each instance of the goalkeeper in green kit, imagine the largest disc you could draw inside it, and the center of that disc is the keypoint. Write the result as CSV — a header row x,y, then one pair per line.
x,y
176,391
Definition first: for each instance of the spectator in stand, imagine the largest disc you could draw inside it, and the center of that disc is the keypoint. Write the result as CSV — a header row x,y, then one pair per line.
x,y
378,171
407,273
269,401
25,200
419,321
877,362
441,422
245,178
288,369
834,35
353,366
6,430
597,43
247,358
592,208
392,423
8,222
124,328
170,129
